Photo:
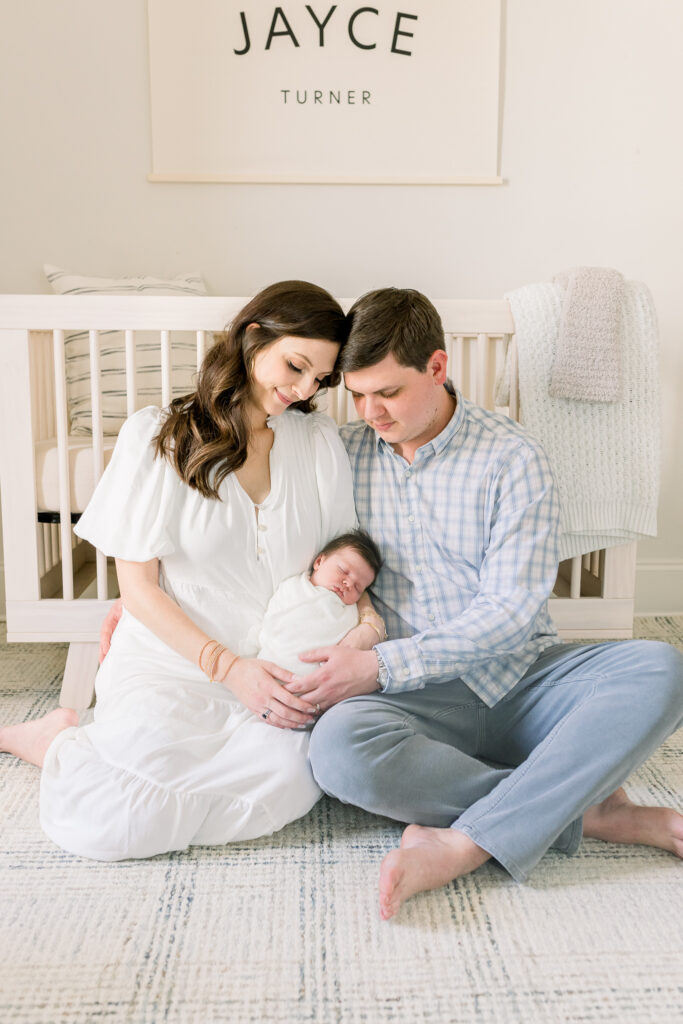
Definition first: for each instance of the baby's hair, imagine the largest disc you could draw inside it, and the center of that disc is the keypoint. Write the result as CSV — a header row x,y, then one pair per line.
x,y
361,542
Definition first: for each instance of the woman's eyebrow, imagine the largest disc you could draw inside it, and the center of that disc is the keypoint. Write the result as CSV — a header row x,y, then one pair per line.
x,y
300,355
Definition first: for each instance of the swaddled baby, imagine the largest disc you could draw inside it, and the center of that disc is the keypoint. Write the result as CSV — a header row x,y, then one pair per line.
x,y
319,607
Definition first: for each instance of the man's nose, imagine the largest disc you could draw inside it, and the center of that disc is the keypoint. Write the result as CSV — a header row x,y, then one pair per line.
x,y
372,407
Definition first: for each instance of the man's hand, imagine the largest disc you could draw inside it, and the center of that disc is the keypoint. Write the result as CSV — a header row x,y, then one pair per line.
x,y
108,627
343,673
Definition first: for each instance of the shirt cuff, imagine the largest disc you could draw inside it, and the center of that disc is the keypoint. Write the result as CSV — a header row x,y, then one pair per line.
x,y
400,665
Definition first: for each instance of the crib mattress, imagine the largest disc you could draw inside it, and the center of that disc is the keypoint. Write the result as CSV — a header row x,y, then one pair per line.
x,y
81,472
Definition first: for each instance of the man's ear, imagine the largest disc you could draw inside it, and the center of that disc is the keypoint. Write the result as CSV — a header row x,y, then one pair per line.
x,y
437,366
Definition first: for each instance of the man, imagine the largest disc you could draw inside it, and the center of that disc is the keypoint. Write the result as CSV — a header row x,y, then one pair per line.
x,y
472,723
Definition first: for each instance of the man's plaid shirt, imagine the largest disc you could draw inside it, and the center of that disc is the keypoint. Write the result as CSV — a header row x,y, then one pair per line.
x,y
469,536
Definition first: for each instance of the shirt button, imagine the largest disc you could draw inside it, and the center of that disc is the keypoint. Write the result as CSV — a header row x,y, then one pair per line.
x,y
419,568
407,475
262,527
431,618
411,519
259,551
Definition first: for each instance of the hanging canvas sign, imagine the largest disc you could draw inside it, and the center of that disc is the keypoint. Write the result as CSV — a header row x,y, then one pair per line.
x,y
406,91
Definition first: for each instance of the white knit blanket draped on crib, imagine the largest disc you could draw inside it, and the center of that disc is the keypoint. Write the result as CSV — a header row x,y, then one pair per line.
x,y
605,455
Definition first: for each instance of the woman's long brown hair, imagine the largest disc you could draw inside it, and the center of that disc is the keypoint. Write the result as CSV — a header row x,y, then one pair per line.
x,y
205,434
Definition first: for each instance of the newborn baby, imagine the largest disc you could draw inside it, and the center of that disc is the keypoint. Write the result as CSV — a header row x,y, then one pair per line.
x,y
319,607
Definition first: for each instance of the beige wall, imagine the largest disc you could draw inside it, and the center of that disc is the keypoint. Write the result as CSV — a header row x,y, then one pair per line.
x,y
591,152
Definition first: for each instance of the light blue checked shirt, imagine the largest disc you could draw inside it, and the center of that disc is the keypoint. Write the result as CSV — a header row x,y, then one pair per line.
x,y
469,535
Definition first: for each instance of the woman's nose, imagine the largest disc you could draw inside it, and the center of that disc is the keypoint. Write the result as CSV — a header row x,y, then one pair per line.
x,y
305,389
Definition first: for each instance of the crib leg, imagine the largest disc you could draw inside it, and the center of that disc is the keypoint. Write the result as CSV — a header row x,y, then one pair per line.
x,y
78,687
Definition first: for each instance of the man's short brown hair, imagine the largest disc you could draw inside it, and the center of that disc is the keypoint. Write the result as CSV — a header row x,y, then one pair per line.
x,y
392,321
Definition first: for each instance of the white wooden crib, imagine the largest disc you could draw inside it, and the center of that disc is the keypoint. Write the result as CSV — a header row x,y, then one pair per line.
x,y
59,588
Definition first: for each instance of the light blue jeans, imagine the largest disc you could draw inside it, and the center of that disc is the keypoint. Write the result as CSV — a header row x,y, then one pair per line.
x,y
515,778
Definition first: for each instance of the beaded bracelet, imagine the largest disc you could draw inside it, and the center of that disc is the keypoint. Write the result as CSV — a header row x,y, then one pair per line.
x,y
213,661
365,620
225,675
201,653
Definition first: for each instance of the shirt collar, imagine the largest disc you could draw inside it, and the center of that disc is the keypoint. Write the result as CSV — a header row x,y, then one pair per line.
x,y
438,443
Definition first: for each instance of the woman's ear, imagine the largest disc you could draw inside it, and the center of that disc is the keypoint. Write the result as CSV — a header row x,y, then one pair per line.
x,y
250,327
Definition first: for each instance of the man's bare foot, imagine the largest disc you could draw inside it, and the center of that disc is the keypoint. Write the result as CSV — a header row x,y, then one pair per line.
x,y
30,740
618,820
427,859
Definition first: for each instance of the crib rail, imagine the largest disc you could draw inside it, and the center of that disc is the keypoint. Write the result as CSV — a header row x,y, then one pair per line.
x,y
59,588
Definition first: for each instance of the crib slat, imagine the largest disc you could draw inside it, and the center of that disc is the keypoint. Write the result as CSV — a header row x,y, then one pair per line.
x,y
331,403
47,542
165,367
575,582
201,348
63,463
48,532
483,381
458,372
97,447
40,530
130,373
514,379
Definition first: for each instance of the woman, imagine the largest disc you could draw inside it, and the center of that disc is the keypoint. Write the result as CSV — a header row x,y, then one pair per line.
x,y
207,506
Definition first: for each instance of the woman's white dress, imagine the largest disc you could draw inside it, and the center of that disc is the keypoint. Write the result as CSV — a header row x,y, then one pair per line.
x,y
170,759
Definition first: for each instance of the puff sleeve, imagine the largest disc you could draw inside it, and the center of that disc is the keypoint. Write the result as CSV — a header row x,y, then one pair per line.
x,y
132,510
334,480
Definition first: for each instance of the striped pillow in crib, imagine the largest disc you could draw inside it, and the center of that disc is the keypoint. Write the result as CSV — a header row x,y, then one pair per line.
x,y
112,351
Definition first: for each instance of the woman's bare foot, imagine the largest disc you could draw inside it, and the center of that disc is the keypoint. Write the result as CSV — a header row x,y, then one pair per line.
x,y
30,740
427,859
618,820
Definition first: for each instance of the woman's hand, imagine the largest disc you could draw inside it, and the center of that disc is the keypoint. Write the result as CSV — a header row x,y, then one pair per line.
x,y
361,638
107,628
257,685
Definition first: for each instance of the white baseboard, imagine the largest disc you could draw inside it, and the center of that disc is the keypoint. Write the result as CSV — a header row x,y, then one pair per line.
x,y
659,588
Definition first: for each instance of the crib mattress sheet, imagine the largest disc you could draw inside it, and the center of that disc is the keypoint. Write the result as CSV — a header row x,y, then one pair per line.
x,y
81,472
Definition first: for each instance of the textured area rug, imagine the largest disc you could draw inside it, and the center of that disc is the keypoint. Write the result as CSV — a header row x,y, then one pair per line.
x,y
286,929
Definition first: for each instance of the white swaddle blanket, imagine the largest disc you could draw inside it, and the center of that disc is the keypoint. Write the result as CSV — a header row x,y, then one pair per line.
x,y
301,617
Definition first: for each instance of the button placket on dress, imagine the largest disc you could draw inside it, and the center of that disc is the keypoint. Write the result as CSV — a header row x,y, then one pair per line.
x,y
261,528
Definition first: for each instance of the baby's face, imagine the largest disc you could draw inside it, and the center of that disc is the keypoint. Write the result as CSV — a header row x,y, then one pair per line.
x,y
345,572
